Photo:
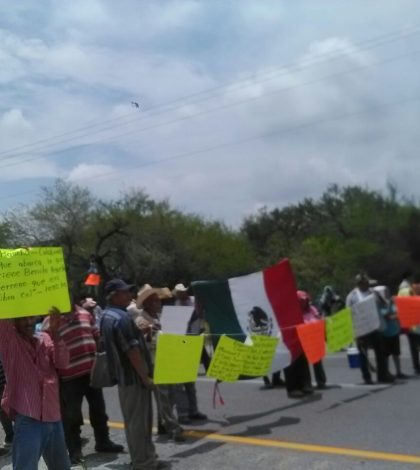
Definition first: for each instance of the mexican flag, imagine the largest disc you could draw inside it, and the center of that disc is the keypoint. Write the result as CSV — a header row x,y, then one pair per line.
x,y
262,303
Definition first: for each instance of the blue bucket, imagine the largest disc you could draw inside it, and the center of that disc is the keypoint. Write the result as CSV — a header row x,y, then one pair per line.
x,y
353,356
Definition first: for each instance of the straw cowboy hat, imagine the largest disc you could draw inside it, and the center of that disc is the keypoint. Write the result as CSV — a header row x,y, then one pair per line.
x,y
164,293
144,293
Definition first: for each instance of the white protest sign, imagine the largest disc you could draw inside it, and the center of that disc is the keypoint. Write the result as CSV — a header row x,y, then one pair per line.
x,y
175,319
365,316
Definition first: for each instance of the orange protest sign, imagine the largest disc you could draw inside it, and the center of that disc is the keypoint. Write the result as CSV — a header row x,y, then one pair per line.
x,y
408,309
312,339
93,280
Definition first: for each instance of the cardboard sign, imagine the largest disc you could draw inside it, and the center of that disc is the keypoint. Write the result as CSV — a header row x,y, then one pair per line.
x,y
339,330
228,360
312,339
408,309
365,316
175,319
259,355
32,280
177,358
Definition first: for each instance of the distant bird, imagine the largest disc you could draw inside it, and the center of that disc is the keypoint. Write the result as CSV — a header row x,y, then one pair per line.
x,y
135,104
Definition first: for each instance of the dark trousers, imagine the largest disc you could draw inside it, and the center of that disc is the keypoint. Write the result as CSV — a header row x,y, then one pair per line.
x,y
373,341
297,375
320,376
275,379
6,421
185,398
72,393
414,343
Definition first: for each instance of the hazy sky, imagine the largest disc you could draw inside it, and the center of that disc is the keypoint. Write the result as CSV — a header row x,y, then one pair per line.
x,y
242,103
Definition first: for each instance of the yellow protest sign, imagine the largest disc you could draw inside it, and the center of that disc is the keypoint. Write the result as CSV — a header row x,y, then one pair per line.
x,y
339,330
228,360
32,280
177,358
259,356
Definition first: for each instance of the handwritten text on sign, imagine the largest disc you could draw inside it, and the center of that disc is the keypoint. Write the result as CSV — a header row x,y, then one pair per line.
x,y
228,359
32,281
259,356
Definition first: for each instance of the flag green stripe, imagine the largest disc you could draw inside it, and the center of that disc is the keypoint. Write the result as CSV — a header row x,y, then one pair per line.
x,y
219,310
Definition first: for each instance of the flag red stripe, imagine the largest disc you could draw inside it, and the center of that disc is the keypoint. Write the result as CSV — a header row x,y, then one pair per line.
x,y
280,287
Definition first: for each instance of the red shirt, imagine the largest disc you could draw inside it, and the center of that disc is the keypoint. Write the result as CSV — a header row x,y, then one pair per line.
x,y
30,366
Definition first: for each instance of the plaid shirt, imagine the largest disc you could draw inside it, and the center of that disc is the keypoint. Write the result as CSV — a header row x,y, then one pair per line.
x,y
120,334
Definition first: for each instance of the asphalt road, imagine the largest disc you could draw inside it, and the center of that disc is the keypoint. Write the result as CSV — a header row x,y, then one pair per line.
x,y
348,426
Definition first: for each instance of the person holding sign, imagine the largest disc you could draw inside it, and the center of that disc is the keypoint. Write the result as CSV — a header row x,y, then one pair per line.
x,y
391,327
411,286
311,314
149,308
373,339
6,422
31,396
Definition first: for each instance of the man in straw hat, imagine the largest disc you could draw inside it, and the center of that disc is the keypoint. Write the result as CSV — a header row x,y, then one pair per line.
x,y
182,298
147,310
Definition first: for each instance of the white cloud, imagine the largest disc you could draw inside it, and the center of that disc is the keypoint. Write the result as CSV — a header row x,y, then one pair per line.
x,y
86,174
13,121
83,62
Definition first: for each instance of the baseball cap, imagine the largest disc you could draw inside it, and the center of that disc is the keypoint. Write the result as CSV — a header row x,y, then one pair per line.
x,y
116,285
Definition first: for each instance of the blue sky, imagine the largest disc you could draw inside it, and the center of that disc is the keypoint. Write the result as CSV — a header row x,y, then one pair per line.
x,y
286,96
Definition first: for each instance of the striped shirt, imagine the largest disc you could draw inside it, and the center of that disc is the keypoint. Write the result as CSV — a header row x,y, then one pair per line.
x,y
79,331
30,367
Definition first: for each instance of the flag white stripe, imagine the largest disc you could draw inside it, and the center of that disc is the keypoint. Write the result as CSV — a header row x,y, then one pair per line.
x,y
248,292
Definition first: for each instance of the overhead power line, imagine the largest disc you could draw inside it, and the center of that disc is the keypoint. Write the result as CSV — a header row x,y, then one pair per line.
x,y
228,88
234,143
37,155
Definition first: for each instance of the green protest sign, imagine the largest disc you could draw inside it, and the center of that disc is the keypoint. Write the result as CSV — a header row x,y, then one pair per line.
x,y
339,329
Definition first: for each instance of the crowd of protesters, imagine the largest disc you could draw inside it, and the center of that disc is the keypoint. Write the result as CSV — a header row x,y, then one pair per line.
x,y
46,363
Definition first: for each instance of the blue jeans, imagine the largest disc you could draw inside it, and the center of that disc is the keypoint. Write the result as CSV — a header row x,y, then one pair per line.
x,y
34,439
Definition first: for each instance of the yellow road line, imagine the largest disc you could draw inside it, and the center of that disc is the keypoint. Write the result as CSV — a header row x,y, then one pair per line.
x,y
320,449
